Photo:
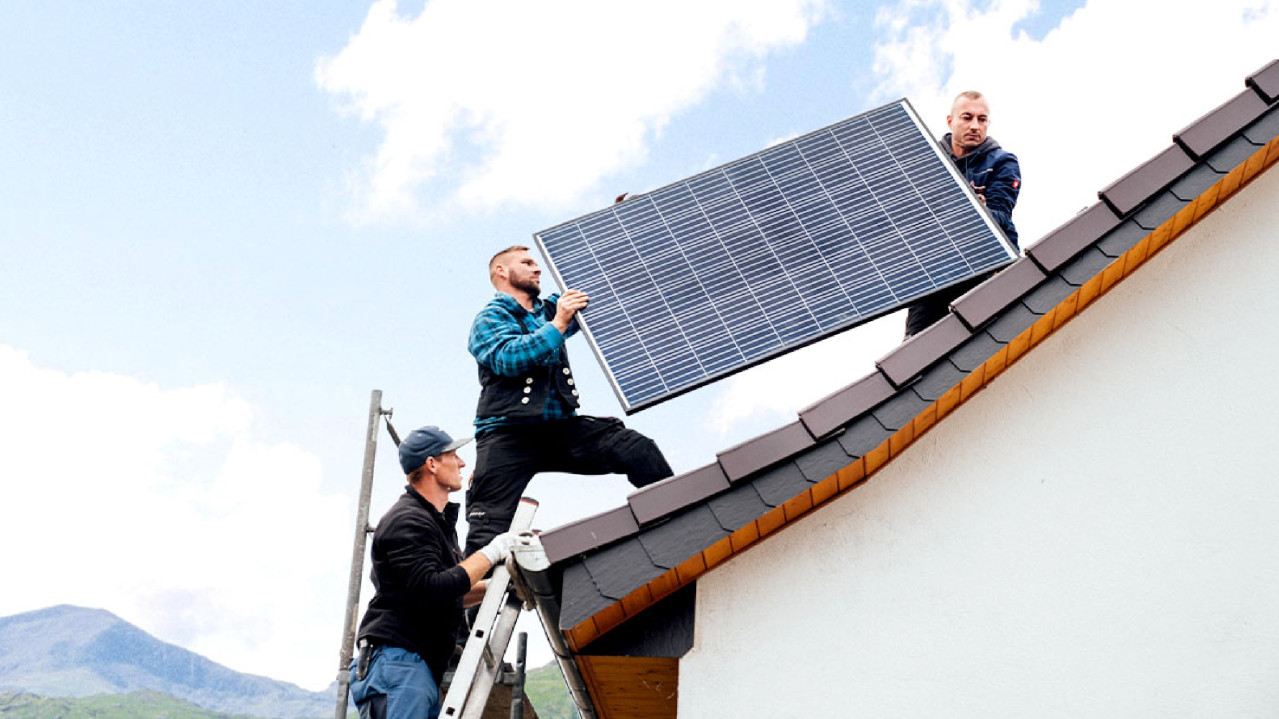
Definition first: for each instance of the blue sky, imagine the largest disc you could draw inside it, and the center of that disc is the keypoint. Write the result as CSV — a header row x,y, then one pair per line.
x,y
224,225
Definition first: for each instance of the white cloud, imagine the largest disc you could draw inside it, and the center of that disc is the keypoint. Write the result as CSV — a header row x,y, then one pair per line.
x,y
510,101
158,505
1098,95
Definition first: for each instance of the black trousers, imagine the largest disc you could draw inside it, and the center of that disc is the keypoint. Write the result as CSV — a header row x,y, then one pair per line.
x,y
507,458
928,310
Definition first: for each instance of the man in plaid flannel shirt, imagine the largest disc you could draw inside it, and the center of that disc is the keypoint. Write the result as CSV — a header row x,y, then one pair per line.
x,y
526,420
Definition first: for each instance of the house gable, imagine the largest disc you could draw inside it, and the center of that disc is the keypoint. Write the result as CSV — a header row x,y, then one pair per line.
x,y
618,564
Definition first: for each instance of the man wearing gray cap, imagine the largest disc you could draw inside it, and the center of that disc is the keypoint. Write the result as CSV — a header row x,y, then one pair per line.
x,y
422,583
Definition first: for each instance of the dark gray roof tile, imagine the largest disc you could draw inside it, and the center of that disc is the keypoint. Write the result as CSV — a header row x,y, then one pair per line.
x,y
593,531
973,354
1150,177
737,507
1195,182
1011,323
1121,239
1232,154
1264,130
580,599
688,533
900,410
840,408
986,300
1158,210
674,493
1072,237
1047,295
862,436
823,460
1205,134
779,485
914,355
619,569
765,450
1266,81
939,378
1086,266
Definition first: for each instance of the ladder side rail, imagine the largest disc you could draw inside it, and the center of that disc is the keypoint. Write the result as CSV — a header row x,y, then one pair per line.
x,y
481,635
490,670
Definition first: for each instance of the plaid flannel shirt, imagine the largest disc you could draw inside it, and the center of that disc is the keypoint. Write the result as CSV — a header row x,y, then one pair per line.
x,y
509,340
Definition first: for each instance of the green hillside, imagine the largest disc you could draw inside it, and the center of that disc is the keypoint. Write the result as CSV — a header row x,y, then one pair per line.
x,y
135,705
546,690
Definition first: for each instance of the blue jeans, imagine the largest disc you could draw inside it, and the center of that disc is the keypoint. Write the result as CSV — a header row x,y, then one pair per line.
x,y
399,685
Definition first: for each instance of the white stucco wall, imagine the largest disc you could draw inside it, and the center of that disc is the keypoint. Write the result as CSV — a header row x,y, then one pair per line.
x,y
1095,534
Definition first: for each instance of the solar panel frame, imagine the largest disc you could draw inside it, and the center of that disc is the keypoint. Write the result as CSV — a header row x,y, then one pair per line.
x,y
768,211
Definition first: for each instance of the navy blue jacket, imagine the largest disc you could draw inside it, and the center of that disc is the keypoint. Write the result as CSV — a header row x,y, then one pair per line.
x,y
994,173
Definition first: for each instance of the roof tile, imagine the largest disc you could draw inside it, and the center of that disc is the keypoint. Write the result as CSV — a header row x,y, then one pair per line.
x,y
1129,191
1265,129
838,409
765,450
580,599
972,354
1266,81
1158,210
823,460
1232,154
1068,240
986,300
780,484
621,568
1047,295
1205,134
1086,266
737,507
588,533
1123,238
914,355
900,410
1195,182
687,533
674,493
1011,323
862,436
940,378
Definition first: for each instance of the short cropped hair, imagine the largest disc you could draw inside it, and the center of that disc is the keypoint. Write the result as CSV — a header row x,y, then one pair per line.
x,y
968,94
500,255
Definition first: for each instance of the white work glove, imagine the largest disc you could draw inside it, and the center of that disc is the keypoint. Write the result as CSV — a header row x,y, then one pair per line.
x,y
500,548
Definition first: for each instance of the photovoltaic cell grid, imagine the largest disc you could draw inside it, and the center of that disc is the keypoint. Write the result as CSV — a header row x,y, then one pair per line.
x,y
711,275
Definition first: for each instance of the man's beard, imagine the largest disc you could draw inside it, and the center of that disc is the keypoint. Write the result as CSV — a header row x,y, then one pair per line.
x,y
527,284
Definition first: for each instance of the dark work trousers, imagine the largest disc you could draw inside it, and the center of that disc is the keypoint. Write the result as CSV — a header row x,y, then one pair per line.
x,y
934,307
507,458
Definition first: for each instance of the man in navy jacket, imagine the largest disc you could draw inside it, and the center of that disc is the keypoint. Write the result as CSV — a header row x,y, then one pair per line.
x,y
994,175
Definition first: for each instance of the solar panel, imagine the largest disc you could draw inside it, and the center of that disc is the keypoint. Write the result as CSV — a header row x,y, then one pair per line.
x,y
705,277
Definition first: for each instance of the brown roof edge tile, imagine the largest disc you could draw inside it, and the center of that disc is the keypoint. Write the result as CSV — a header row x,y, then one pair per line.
x,y
765,450
675,493
917,353
986,300
1266,81
1134,188
1208,132
838,409
1073,236
589,533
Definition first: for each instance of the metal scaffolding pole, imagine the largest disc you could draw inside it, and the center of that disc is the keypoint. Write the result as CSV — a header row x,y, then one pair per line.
x,y
362,531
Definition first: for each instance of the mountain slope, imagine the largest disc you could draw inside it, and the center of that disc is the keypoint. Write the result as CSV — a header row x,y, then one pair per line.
x,y
72,651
